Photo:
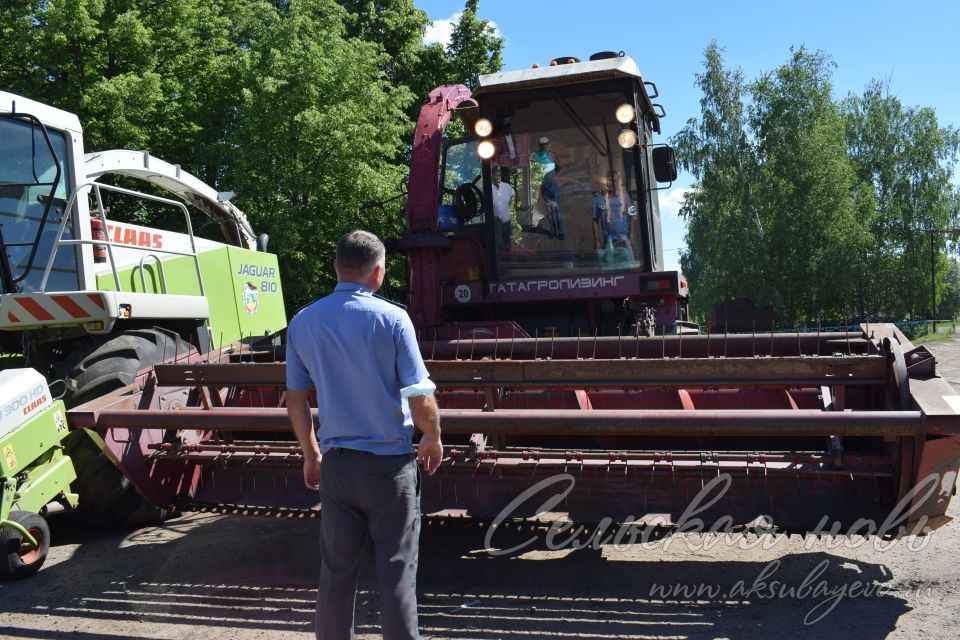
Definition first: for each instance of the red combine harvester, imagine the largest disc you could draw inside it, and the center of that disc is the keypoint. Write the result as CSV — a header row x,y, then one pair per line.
x,y
563,354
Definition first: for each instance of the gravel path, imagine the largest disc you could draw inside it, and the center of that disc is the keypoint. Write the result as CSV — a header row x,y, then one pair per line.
x,y
229,578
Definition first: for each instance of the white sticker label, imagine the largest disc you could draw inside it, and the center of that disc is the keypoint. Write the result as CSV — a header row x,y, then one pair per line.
x,y
954,402
462,293
60,422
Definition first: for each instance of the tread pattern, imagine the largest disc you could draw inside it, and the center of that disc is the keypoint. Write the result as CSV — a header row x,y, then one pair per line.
x,y
111,362
98,366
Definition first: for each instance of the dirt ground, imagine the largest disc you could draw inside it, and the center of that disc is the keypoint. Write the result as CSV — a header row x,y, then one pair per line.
x,y
228,578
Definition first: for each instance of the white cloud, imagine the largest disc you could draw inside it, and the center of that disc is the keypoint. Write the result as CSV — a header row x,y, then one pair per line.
x,y
671,201
441,30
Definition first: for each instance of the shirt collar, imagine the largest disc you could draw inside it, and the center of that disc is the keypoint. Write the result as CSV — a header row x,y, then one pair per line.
x,y
352,287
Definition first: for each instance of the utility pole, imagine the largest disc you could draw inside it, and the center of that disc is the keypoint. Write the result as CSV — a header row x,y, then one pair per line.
x,y
933,266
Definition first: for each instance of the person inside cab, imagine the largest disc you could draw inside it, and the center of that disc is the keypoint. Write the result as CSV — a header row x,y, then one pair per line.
x,y
503,198
612,211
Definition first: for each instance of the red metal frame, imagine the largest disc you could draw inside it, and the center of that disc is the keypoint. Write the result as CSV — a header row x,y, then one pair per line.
x,y
424,303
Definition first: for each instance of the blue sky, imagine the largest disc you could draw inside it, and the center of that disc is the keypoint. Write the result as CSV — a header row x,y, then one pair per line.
x,y
911,45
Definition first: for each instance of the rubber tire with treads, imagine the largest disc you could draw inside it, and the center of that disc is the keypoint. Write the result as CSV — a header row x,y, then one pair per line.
x,y
101,365
107,498
110,362
19,562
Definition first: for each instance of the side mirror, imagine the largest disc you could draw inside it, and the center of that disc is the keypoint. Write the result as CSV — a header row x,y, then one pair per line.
x,y
664,164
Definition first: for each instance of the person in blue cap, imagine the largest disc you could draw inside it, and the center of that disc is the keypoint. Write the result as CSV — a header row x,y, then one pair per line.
x,y
544,156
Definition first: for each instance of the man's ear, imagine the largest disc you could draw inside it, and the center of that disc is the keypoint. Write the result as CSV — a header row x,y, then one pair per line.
x,y
377,276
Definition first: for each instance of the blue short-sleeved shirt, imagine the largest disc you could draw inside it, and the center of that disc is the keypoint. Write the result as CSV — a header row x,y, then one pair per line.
x,y
550,188
611,210
358,351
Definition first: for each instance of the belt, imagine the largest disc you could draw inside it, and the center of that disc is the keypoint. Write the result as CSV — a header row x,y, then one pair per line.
x,y
351,452
357,452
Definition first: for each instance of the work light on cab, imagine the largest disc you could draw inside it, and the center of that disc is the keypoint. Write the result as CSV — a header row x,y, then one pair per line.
x,y
627,138
625,113
485,149
483,127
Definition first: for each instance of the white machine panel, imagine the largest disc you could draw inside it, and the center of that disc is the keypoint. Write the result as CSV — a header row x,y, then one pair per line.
x,y
23,394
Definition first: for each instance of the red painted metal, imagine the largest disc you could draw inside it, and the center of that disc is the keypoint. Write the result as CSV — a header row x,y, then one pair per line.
x,y
549,422
614,347
424,304
665,372
633,438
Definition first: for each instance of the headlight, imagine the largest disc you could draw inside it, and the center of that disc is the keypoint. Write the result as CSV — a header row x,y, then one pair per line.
x,y
483,127
626,138
486,149
625,113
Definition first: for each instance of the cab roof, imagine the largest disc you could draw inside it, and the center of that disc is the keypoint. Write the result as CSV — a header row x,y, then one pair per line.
x,y
49,116
567,74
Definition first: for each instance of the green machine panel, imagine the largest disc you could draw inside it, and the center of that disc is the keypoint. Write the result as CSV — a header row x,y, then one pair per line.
x,y
257,291
242,287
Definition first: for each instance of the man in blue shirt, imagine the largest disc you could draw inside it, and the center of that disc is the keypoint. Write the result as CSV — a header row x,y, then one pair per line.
x,y
360,353
611,210
550,192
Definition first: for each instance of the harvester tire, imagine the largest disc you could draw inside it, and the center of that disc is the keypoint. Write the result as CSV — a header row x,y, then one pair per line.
x,y
107,498
20,559
111,362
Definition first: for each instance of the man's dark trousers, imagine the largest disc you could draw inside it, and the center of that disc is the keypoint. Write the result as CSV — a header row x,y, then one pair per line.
x,y
377,498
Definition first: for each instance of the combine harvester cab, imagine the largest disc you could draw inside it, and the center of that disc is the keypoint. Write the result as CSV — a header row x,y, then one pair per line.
x,y
571,384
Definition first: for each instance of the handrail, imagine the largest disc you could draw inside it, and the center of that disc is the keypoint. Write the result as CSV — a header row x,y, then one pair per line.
x,y
97,187
143,281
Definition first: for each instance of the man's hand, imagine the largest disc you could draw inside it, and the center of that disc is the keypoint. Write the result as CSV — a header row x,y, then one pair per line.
x,y
430,453
426,416
311,473
298,410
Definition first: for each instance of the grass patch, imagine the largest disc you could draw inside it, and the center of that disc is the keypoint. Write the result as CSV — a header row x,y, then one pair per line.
x,y
934,337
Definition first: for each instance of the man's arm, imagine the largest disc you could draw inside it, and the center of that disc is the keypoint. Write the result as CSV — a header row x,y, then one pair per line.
x,y
426,417
419,394
298,410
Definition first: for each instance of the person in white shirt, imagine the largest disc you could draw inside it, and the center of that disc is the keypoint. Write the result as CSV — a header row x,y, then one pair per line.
x,y
503,195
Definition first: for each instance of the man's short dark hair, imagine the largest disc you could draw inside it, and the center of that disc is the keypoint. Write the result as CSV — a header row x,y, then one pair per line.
x,y
359,251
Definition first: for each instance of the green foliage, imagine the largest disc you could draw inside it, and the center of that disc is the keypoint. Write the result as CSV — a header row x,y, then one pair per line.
x,y
317,125
812,206
802,190
304,108
720,210
905,160
949,304
475,48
